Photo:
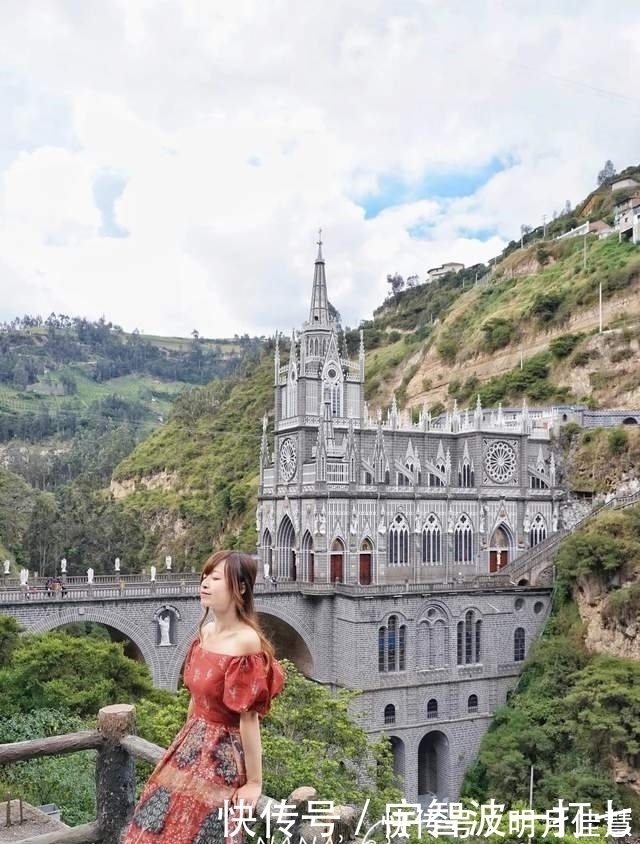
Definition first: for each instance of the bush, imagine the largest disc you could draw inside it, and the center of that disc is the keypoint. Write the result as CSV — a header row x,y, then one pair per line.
x,y
562,346
618,441
498,333
448,349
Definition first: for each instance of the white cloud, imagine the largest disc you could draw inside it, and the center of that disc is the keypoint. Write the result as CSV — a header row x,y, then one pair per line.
x,y
238,129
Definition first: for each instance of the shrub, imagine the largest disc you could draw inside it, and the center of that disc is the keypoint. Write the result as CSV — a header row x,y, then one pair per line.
x,y
618,441
448,349
562,346
498,333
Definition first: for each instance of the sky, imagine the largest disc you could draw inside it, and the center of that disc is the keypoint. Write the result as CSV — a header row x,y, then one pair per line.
x,y
166,164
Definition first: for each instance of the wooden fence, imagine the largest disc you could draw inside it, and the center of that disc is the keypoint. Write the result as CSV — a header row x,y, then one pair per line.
x,y
117,747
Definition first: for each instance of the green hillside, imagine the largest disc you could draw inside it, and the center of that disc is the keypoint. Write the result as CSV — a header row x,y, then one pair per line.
x,y
516,334
194,482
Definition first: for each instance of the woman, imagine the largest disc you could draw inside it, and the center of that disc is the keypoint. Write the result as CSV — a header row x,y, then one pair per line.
x,y
215,761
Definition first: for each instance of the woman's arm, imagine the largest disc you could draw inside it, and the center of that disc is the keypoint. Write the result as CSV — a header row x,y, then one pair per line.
x,y
252,746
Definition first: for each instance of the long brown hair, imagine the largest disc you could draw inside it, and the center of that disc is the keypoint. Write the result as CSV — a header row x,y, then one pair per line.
x,y
240,575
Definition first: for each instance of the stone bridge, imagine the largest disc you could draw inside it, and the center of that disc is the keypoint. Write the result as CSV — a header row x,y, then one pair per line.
x,y
138,612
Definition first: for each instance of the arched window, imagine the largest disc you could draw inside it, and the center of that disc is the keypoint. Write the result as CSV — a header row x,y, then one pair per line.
x,y
432,643
335,398
392,646
466,474
518,644
472,703
538,531
432,708
291,402
463,541
431,541
469,644
389,714
398,549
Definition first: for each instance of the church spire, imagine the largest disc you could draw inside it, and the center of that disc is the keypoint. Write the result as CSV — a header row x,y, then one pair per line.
x,y
319,312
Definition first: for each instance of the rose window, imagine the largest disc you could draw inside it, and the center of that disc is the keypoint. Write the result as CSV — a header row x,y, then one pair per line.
x,y
500,462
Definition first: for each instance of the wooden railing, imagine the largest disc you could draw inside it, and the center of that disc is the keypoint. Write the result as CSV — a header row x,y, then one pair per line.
x,y
117,746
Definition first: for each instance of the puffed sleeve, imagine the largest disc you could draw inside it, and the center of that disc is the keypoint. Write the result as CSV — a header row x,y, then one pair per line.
x,y
251,684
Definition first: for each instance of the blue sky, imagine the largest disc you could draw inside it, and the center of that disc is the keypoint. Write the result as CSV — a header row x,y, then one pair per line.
x,y
436,184
168,165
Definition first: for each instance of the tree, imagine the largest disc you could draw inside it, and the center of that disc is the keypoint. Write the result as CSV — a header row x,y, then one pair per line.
x,y
9,637
397,283
57,671
607,172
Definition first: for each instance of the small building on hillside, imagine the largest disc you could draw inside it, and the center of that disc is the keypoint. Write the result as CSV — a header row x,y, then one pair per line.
x,y
449,267
624,184
627,218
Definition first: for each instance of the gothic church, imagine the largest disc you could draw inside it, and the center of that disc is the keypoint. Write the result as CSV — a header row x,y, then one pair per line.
x,y
396,532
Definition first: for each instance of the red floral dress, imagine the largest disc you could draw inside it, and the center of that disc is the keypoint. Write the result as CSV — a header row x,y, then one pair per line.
x,y
204,766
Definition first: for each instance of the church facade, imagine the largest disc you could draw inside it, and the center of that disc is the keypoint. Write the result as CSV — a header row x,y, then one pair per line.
x,y
409,521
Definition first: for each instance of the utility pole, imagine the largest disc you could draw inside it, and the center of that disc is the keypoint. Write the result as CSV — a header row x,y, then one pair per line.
x,y
544,226
600,305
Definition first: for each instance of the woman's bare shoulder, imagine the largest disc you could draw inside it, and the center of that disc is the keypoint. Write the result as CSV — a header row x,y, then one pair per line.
x,y
247,641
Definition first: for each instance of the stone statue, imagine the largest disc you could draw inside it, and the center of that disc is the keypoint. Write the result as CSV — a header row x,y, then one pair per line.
x,y
322,527
63,565
24,576
168,562
164,624
90,576
483,518
153,574
116,564
526,523
382,527
354,522
7,566
266,571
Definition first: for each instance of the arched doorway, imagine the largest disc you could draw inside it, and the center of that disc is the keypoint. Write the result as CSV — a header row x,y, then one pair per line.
x,y
336,567
500,548
364,569
306,557
433,767
285,555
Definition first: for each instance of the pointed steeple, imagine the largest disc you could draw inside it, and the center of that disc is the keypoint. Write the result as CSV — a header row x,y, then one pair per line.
x,y
319,311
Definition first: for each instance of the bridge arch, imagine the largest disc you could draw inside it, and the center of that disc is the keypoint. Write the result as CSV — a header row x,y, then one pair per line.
x,y
434,766
140,637
289,633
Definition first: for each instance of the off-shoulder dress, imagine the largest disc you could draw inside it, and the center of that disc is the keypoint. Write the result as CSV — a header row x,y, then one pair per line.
x,y
204,766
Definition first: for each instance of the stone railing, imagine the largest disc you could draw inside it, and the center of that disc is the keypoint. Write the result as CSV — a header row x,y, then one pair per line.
x,y
117,746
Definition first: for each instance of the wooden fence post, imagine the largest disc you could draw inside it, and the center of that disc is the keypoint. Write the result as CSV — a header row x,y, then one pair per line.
x,y
115,772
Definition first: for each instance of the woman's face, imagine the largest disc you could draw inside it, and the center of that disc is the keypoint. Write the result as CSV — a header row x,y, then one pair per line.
x,y
214,592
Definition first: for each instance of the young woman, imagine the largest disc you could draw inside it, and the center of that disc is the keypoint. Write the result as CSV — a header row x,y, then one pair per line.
x,y
215,761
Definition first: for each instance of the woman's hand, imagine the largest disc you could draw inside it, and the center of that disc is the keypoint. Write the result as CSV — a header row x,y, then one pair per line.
x,y
248,794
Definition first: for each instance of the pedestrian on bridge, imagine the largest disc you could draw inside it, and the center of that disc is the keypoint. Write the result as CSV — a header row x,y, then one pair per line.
x,y
215,761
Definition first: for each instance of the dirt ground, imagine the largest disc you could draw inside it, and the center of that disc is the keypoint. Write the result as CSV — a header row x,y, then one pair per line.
x,y
35,822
